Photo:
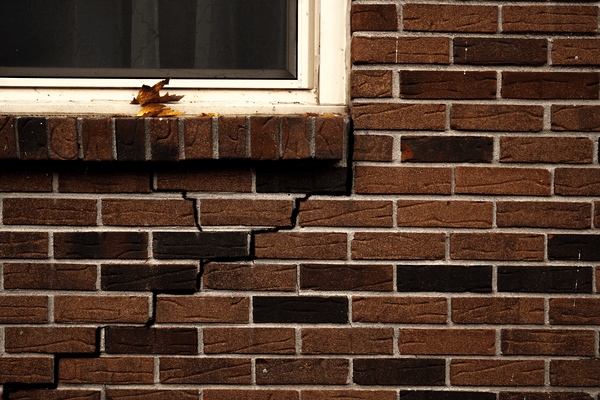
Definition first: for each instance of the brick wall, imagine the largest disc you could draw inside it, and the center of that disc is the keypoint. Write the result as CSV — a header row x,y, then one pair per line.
x,y
448,248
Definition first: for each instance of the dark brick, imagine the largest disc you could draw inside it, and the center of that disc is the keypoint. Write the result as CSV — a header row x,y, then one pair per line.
x,y
33,138
96,139
348,394
433,395
264,138
554,342
450,18
574,247
198,143
346,277
374,17
576,118
329,138
448,85
137,340
8,141
372,148
564,19
398,116
26,370
64,143
429,372
577,181
371,83
23,245
50,340
53,394
164,139
207,179
295,140
94,180
453,149
400,50
544,396
501,51
301,180
555,279
151,394
146,277
205,370
303,309
576,51
509,118
574,311
584,373
23,310
131,139
31,211
524,149
543,214
299,371
550,85
25,181
50,276
232,137
249,277
444,278
178,245
98,245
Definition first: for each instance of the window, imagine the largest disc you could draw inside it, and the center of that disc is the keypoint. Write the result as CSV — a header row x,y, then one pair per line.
x,y
224,56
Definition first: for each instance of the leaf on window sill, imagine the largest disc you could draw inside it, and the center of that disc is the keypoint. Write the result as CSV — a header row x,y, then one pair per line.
x,y
148,94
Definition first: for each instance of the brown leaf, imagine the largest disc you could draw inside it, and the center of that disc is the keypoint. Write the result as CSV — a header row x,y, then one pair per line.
x,y
167,112
149,94
151,110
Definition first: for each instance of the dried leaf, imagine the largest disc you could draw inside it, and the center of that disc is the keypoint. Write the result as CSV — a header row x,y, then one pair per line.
x,y
167,98
167,112
148,94
151,110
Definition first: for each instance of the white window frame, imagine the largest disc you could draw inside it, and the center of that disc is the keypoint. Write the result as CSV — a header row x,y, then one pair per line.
x,y
321,85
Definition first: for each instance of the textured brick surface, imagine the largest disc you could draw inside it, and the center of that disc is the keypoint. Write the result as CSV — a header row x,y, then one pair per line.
x,y
574,311
399,116
199,244
23,309
219,180
249,277
104,309
371,83
63,138
481,372
49,212
23,245
96,139
50,340
370,371
108,370
245,212
232,137
574,372
8,141
26,370
543,214
98,245
33,140
576,150
205,370
453,149
346,277
329,137
264,140
567,19
150,394
403,180
400,50
398,246
347,341
251,394
147,212
50,276
350,394
574,247
197,134
191,309
165,277
133,340
447,341
345,213
298,245
450,18
577,181
374,17
425,310
491,51
482,117
550,85
98,181
25,181
457,214
164,139
576,52
451,278
249,340
295,140
131,139
372,148
544,279
503,181
314,371
302,309
496,246
498,310
576,118
54,394
447,85
551,342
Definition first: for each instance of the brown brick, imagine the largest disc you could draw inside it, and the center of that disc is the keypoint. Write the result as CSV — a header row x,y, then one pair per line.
x,y
98,245
400,50
249,340
347,341
73,339
28,211
496,246
299,371
196,309
455,214
374,17
403,180
197,142
26,370
206,180
372,148
329,138
32,138
398,246
232,137
148,212
264,138
295,140
596,218
555,342
502,181
447,341
96,139
250,394
450,18
544,396
576,52
106,309
546,149
54,394
345,213
50,276
205,370
246,212
25,181
23,310
74,181
106,370
550,85
565,19
497,310
164,139
348,394
510,118
371,83
399,116
575,373
346,277
400,310
448,85
447,149
63,138
295,245
151,394
577,181
249,277
144,340
543,214
486,51
473,372
131,139
575,311
23,245
8,141
576,118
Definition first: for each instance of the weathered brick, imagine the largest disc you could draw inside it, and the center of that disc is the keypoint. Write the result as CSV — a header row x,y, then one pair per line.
x,y
63,138
576,51
297,245
403,180
246,212
544,396
348,394
25,181
496,246
577,181
146,277
482,372
106,370
26,370
400,310
563,19
447,341
406,371
347,341
232,137
33,139
294,179
444,278
575,373
151,394
164,139
23,245
398,246
543,214
303,309
455,214
461,85
195,309
345,213
301,371
503,181
8,140
178,245
97,181
206,180
205,370
249,340
264,138
446,395
104,309
96,139
29,339
371,83
98,245
497,310
399,116
295,140
483,117
501,51
554,342
23,310
148,212
454,149
197,134
574,247
400,50
575,311
329,138
450,18
546,149
53,394
249,277
576,118
346,277
250,394
30,211
597,214
374,17
555,279
138,340
550,85
372,148
131,139
50,276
